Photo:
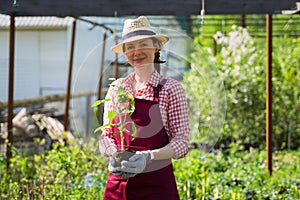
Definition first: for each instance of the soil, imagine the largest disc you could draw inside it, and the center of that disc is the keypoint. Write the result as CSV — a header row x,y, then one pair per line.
x,y
121,155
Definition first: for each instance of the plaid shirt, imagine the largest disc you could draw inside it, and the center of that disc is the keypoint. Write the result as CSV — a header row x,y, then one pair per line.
x,y
173,108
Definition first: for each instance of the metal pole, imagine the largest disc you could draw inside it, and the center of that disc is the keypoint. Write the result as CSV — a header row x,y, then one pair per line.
x,y
100,79
101,67
10,91
95,24
87,122
214,46
116,68
66,116
243,21
269,92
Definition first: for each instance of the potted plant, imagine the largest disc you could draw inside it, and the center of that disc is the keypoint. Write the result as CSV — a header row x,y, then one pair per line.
x,y
123,107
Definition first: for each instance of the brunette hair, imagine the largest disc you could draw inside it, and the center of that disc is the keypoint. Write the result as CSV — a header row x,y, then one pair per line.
x,y
157,60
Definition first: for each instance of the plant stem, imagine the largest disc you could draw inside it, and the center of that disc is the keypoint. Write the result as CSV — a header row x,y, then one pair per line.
x,y
122,140
121,127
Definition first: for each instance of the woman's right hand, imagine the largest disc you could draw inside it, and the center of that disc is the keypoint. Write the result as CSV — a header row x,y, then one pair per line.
x,y
113,168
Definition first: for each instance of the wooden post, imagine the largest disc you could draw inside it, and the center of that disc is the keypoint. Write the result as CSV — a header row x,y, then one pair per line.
x,y
68,92
10,91
269,92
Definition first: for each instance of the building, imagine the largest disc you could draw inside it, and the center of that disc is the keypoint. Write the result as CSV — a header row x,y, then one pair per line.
x,y
42,49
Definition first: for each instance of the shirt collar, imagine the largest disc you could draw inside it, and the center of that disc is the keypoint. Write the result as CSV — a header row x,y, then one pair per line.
x,y
155,78
153,81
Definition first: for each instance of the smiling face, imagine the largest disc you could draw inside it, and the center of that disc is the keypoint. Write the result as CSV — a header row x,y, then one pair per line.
x,y
141,52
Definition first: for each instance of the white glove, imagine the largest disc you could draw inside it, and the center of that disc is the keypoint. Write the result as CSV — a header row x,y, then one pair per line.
x,y
136,163
126,175
113,168
116,170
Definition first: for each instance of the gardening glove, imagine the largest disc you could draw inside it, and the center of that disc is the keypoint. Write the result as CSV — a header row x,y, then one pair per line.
x,y
136,163
113,168
126,175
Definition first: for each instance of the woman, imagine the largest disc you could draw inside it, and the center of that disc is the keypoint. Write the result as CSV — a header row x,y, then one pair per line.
x,y
160,114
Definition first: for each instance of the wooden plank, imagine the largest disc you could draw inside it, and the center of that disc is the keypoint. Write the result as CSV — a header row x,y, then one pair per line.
x,y
46,99
132,7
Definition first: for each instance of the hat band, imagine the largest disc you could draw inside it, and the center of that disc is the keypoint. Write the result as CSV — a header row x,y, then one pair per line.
x,y
138,32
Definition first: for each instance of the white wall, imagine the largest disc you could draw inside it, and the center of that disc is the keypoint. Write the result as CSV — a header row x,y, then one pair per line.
x,y
42,60
26,66
3,65
53,62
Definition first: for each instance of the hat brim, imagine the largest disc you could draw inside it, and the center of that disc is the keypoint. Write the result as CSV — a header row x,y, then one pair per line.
x,y
163,39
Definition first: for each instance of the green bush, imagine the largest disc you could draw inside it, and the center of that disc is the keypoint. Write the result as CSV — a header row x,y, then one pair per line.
x,y
238,175
286,93
73,172
79,172
232,83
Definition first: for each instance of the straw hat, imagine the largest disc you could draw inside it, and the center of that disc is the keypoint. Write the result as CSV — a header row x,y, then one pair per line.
x,y
137,29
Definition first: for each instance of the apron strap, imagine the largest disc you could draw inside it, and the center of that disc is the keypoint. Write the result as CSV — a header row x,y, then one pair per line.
x,y
157,89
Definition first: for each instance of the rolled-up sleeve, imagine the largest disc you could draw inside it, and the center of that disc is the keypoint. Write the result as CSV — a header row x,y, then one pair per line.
x,y
177,123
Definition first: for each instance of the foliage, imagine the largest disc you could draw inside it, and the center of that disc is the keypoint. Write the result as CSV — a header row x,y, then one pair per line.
x,y
240,66
286,93
256,25
237,175
229,83
73,172
78,172
123,106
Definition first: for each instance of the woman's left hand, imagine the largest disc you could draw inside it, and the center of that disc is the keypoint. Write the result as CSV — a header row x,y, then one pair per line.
x,y
136,163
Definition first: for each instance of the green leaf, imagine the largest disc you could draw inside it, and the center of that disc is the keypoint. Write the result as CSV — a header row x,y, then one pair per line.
x,y
116,132
111,115
103,126
133,131
131,108
99,102
96,103
98,129
96,111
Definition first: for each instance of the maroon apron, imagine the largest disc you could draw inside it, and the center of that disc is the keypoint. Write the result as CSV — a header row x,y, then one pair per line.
x,y
157,181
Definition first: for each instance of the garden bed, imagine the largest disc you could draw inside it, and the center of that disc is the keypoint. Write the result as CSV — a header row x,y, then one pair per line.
x,y
79,172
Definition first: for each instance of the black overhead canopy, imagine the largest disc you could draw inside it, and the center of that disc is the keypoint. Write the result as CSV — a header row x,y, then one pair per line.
x,y
112,8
